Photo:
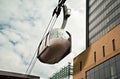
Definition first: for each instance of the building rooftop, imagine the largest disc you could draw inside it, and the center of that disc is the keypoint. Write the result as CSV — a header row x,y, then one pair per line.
x,y
13,75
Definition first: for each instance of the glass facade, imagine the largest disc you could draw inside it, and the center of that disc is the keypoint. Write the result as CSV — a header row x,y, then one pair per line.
x,y
110,69
103,16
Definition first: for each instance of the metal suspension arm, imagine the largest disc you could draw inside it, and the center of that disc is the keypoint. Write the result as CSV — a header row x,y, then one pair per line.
x,y
57,10
66,15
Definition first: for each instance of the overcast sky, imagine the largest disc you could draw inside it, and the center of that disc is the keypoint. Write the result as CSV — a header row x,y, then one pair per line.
x,y
22,24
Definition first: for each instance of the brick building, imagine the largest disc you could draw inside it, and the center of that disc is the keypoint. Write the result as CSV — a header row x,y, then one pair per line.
x,y
101,59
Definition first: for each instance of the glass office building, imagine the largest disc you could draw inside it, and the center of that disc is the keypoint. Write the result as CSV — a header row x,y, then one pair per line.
x,y
101,17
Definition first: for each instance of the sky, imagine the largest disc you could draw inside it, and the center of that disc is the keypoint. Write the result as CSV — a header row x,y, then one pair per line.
x,y
22,24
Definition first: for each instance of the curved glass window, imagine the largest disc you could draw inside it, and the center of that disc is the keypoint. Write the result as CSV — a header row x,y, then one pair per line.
x,y
58,33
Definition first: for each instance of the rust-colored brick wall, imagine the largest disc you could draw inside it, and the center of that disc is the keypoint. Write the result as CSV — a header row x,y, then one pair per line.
x,y
111,44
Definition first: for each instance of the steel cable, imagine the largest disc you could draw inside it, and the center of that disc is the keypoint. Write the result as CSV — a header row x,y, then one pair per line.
x,y
34,59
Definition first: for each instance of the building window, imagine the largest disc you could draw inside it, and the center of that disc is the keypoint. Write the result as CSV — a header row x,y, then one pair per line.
x,y
109,69
113,44
80,65
94,56
103,48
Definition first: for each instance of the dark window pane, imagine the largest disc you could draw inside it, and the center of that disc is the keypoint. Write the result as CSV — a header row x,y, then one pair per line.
x,y
96,68
113,69
101,66
97,75
91,71
112,60
103,51
113,44
118,57
118,76
114,77
88,77
107,72
88,73
80,65
118,66
102,74
106,63
94,56
92,76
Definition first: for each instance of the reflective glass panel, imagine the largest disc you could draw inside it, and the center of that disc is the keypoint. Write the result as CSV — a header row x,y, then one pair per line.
x,y
110,69
107,72
118,66
113,69
97,75
88,77
102,74
118,57
58,33
92,76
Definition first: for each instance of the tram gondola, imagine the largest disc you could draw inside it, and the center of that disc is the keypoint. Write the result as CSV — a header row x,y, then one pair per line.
x,y
56,44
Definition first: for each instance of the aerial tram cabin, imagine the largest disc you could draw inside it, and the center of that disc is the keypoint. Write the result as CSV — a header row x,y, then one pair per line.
x,y
56,44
